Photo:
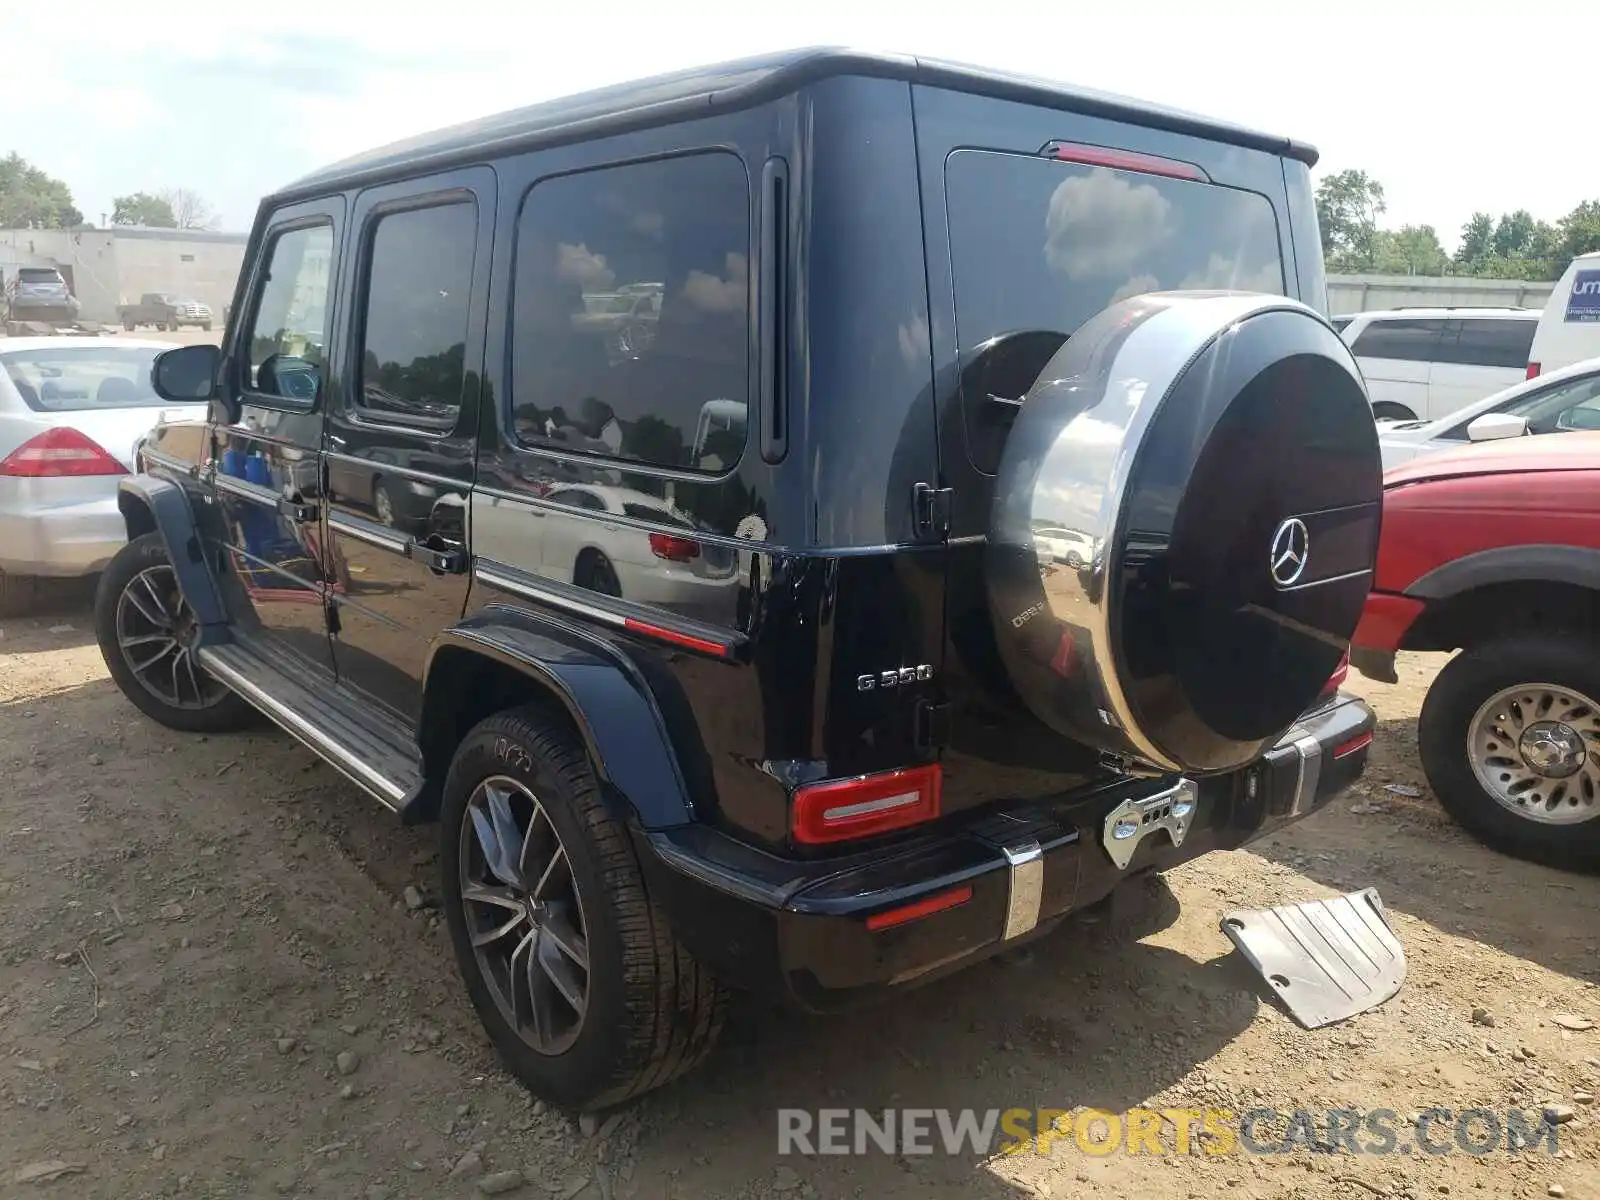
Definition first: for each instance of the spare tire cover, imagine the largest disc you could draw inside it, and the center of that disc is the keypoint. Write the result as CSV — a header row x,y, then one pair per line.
x,y
1217,454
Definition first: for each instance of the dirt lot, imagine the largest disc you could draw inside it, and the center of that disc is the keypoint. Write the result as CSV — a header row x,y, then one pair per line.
x,y
195,930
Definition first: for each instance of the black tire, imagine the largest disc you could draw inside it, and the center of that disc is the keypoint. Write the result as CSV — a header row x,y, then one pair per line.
x,y
206,326
227,712
595,573
1390,411
129,326
652,1012
1468,681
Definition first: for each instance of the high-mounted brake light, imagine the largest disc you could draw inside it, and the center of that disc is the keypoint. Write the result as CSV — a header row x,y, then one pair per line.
x,y
1124,160
59,452
1533,370
674,549
862,807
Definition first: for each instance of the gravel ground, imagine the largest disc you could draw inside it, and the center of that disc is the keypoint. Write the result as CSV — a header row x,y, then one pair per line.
x,y
212,984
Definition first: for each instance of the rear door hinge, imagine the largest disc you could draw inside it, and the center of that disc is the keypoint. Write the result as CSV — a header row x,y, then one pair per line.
x,y
932,725
930,510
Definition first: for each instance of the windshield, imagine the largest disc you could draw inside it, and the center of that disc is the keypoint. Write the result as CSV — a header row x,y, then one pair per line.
x,y
70,378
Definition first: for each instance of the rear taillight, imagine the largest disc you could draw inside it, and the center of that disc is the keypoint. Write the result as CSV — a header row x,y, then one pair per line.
x,y
1533,370
1336,680
672,548
57,452
863,807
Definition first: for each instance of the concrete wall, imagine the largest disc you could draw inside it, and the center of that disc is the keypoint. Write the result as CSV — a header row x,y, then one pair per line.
x,y
109,267
1364,293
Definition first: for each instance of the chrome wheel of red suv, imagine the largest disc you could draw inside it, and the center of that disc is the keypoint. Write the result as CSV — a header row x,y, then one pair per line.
x,y
1510,740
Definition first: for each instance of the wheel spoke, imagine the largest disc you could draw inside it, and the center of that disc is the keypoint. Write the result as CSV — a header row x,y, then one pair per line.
x,y
158,618
556,870
559,972
142,639
521,979
498,897
531,842
167,648
509,925
560,934
194,676
156,598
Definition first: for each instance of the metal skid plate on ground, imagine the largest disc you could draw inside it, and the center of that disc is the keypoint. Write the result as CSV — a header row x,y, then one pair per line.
x,y
1326,959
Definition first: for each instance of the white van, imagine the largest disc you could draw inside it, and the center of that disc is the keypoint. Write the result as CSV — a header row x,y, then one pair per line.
x,y
1569,330
1423,363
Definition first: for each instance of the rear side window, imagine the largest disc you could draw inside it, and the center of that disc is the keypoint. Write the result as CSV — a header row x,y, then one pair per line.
x,y
1407,339
1038,244
414,332
1341,323
631,325
76,378
1487,342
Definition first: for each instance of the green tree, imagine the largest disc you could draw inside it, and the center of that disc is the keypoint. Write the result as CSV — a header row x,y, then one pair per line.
x,y
1512,233
141,208
29,198
1477,242
1409,250
1349,204
1578,232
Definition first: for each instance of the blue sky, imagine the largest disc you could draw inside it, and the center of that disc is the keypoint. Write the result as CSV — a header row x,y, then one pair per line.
x,y
233,99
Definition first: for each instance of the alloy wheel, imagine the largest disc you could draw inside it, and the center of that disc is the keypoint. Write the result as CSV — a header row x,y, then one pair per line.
x,y
157,633
1536,749
523,914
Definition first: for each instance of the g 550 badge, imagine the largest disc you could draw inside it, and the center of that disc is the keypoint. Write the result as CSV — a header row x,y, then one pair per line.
x,y
898,677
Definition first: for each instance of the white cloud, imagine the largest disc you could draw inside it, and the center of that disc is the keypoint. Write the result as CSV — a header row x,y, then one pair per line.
x,y
1103,224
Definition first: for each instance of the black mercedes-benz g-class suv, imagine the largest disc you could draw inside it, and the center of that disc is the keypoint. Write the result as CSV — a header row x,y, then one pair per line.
x,y
716,417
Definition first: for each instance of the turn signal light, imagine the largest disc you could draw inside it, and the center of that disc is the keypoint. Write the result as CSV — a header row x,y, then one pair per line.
x,y
58,452
865,806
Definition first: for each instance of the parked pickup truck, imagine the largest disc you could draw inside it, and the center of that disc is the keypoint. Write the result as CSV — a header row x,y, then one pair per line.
x,y
165,311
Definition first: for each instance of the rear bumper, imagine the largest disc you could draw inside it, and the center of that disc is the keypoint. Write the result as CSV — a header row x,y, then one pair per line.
x,y
60,527
800,929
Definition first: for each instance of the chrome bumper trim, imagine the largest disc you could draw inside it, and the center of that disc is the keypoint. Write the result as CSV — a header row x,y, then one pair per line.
x,y
1026,893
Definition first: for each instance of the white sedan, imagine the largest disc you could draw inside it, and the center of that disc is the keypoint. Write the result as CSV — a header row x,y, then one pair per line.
x,y
72,413
1564,400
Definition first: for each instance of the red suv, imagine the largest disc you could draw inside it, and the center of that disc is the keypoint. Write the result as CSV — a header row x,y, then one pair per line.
x,y
1495,550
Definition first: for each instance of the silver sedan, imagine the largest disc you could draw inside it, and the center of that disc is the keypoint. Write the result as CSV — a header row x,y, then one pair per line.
x,y
72,412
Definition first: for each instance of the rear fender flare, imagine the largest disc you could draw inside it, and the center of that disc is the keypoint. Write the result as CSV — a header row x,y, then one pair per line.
x,y
148,501
602,691
1576,565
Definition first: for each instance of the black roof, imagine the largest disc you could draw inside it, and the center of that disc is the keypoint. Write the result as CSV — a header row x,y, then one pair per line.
x,y
742,84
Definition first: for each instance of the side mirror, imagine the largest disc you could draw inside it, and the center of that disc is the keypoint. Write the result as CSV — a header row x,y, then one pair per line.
x,y
186,374
1491,427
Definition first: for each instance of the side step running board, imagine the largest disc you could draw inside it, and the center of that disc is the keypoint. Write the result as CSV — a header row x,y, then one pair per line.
x,y
372,752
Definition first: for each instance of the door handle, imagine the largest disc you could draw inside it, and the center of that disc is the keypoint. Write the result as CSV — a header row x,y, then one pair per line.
x,y
297,511
443,559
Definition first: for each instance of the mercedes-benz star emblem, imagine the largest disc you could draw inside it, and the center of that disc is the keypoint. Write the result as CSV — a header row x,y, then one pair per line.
x,y
1291,552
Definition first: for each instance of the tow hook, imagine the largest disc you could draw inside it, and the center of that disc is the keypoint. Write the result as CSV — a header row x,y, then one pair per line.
x,y
1130,822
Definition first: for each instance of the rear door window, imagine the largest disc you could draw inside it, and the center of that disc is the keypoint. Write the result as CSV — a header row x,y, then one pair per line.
x,y
1487,342
1038,244
1406,339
